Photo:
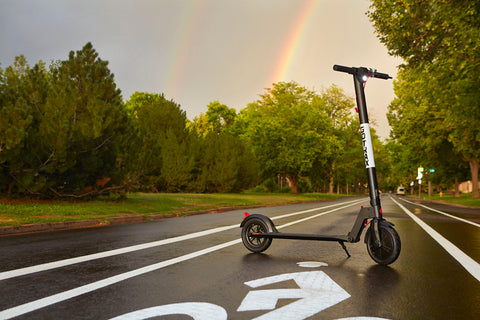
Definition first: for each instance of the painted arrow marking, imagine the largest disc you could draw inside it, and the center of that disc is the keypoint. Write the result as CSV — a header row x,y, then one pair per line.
x,y
196,310
316,292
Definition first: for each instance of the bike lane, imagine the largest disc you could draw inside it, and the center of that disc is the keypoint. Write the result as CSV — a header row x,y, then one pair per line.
x,y
425,282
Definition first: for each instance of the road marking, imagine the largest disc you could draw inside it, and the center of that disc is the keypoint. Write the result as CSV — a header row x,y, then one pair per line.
x,y
468,263
316,292
62,296
316,215
196,310
312,264
352,202
66,262
444,213
105,254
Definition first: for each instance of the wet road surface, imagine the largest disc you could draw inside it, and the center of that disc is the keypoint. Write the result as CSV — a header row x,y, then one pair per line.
x,y
197,268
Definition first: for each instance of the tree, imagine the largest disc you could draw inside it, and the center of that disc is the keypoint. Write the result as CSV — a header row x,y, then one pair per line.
x,y
162,158
23,92
224,162
218,118
62,130
339,107
289,131
83,124
441,38
420,124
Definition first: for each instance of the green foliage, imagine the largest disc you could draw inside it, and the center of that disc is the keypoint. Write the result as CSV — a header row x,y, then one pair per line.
x,y
226,165
61,130
83,122
160,152
289,131
83,141
220,116
438,108
173,155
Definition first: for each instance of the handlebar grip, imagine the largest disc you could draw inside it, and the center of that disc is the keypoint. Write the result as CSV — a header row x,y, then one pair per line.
x,y
343,69
361,71
382,75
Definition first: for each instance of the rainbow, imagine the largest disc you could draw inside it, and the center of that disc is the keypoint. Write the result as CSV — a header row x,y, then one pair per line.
x,y
189,22
292,42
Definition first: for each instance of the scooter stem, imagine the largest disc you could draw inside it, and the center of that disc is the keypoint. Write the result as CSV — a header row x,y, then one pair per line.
x,y
360,77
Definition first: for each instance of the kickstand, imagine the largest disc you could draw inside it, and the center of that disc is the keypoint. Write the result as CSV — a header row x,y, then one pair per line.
x,y
344,248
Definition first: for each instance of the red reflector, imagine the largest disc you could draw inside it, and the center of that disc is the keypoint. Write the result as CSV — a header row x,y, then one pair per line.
x,y
255,234
246,215
381,211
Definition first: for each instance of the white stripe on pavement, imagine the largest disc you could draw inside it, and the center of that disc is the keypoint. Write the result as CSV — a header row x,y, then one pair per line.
x,y
444,213
468,263
66,262
62,296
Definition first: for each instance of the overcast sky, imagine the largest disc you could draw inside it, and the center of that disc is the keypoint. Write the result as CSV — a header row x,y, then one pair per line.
x,y
199,51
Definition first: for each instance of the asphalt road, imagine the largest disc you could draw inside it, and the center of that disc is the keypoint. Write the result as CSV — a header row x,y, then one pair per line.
x,y
197,268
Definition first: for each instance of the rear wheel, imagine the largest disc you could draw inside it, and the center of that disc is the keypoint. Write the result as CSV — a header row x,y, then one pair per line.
x,y
250,240
388,250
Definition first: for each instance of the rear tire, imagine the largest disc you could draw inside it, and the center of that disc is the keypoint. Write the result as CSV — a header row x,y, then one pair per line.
x,y
390,247
255,243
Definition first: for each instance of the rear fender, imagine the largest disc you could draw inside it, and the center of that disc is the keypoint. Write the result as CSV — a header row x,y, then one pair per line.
x,y
265,219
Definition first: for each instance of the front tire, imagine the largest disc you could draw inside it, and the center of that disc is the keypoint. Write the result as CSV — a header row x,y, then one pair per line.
x,y
389,250
255,243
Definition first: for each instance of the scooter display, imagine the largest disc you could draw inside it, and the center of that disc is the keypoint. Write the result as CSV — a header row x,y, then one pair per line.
x,y
383,242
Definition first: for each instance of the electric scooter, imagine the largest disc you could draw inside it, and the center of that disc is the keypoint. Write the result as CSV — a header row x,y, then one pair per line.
x,y
383,242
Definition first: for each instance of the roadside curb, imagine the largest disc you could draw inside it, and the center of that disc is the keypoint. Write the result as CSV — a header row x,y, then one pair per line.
x,y
69,225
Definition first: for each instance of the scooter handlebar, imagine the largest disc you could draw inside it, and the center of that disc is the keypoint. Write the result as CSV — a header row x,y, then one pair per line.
x,y
381,75
340,68
365,71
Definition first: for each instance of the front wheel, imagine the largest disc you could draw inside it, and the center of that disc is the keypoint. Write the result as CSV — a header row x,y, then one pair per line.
x,y
388,250
252,242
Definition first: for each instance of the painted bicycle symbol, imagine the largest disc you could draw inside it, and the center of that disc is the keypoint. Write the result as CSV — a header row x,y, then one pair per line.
x,y
316,292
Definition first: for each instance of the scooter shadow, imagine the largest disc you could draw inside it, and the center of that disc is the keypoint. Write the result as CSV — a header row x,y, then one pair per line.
x,y
386,275
256,257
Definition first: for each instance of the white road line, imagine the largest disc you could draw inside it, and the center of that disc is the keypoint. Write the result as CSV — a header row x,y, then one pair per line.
x,y
66,262
315,216
104,254
62,296
444,213
316,209
468,263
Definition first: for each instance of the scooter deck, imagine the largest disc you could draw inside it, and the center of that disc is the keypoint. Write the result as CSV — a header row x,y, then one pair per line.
x,y
302,236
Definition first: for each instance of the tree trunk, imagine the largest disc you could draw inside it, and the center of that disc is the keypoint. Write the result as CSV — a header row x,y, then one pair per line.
x,y
457,188
330,186
292,183
474,170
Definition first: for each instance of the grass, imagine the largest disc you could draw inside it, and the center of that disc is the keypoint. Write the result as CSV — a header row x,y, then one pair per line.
x,y
21,212
465,199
